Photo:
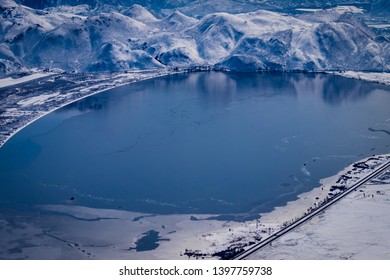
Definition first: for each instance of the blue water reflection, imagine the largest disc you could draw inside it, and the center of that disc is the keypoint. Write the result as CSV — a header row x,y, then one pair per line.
x,y
221,143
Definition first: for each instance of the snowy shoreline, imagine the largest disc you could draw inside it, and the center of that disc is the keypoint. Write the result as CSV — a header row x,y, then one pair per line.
x,y
376,77
66,231
355,228
127,79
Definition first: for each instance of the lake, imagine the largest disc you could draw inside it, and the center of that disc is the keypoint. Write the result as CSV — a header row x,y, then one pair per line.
x,y
218,143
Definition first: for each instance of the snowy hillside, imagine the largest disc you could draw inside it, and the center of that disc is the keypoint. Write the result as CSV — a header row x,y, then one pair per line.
x,y
196,8
80,38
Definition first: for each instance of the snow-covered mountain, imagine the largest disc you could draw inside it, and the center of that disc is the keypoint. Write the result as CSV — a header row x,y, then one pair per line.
x,y
196,8
81,38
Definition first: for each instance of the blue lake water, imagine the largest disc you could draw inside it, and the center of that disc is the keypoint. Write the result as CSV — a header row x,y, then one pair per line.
x,y
215,143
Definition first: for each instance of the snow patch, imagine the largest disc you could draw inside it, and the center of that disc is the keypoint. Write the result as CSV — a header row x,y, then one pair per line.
x,y
37,100
378,77
11,81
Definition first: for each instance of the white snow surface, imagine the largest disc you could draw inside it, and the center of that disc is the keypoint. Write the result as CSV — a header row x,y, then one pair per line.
x,y
37,100
378,77
81,39
11,81
340,9
357,227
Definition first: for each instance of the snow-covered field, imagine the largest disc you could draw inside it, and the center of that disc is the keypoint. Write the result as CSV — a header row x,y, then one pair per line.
x,y
37,100
6,82
382,78
357,227
342,9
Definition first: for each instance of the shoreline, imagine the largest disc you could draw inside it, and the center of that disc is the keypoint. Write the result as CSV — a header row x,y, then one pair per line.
x,y
321,207
356,227
158,74
65,231
375,77
282,216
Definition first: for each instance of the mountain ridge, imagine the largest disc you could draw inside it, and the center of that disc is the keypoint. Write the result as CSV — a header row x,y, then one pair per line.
x,y
112,41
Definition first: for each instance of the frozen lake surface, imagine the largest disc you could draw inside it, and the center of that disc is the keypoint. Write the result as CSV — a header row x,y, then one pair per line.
x,y
217,143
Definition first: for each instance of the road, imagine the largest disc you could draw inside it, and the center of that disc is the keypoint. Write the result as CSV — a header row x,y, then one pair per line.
x,y
315,212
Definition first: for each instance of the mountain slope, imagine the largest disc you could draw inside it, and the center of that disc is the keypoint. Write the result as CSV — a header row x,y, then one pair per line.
x,y
88,40
200,8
